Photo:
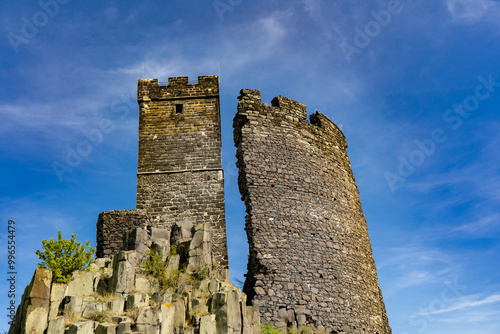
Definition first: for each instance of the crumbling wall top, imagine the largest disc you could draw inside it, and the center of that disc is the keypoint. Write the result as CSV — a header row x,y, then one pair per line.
x,y
283,109
293,108
328,128
279,105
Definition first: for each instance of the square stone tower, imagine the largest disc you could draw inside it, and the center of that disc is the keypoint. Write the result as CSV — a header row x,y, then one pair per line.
x,y
179,173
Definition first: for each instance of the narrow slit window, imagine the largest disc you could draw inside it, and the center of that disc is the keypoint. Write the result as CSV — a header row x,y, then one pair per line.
x,y
179,108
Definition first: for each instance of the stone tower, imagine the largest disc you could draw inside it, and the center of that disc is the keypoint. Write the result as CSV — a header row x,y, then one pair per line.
x,y
310,260
179,172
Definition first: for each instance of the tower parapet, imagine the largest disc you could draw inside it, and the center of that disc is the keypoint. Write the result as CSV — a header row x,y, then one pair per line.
x,y
178,87
310,260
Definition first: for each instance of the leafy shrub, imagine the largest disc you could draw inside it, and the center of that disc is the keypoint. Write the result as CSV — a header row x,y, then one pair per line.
x,y
269,328
153,266
202,272
63,257
173,249
301,330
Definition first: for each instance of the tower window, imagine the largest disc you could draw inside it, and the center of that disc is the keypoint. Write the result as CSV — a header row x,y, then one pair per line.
x,y
179,108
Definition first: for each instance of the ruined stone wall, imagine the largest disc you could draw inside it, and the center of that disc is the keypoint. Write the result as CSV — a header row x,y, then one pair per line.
x,y
310,260
110,228
179,165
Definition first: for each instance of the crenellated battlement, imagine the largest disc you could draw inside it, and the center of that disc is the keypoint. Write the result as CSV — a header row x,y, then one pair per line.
x,y
177,88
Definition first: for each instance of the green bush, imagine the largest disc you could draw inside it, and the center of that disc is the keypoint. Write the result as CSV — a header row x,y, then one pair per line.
x,y
202,272
153,266
65,256
269,328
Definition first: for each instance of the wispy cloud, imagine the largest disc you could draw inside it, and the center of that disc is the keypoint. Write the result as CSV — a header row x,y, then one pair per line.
x,y
480,315
248,43
482,225
479,179
416,265
473,11
466,302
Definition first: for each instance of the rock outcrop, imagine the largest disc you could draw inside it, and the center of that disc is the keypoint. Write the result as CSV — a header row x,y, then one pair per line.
x,y
162,281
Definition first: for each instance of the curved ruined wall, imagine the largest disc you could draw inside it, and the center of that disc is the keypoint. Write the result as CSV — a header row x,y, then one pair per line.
x,y
310,260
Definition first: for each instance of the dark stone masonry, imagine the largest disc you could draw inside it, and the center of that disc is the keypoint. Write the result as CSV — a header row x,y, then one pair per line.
x,y
111,226
310,260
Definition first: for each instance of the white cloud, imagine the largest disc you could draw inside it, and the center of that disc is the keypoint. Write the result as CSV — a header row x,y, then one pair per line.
x,y
416,265
472,11
312,7
273,26
466,302
251,42
483,224
478,315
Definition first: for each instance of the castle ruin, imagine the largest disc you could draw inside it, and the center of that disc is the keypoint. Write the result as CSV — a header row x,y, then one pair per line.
x,y
310,261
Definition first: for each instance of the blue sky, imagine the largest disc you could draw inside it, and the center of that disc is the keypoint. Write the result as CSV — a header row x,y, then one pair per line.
x,y
415,86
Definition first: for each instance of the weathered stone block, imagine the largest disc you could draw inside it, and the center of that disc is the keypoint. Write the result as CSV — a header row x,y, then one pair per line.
x,y
136,239
56,325
179,316
117,306
124,264
32,314
173,262
73,305
167,318
142,283
137,300
41,284
227,310
208,324
161,236
106,328
57,294
81,284
124,326
93,308
149,316
81,327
